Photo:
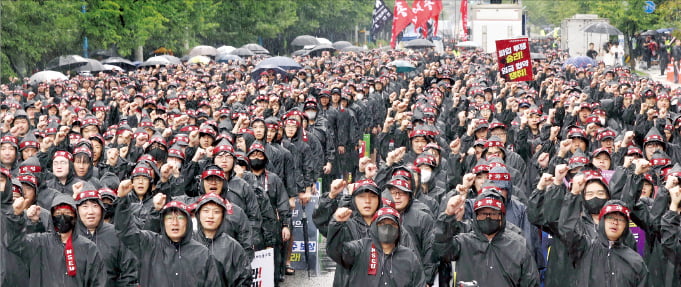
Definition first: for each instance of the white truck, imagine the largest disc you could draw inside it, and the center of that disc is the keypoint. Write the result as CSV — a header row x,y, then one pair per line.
x,y
491,22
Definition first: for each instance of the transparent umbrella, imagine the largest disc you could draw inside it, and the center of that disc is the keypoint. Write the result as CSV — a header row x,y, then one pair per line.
x,y
66,62
304,40
203,50
46,77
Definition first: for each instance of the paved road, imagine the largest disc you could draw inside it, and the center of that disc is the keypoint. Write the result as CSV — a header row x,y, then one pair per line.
x,y
301,280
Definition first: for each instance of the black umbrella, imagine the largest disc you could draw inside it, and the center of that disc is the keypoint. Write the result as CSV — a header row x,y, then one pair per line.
x,y
317,50
353,49
66,62
256,49
105,53
91,66
649,33
602,28
255,75
304,40
419,43
118,61
243,52
341,44
285,63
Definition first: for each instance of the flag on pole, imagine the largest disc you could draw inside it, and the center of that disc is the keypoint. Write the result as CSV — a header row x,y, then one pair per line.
x,y
420,16
464,17
379,17
402,17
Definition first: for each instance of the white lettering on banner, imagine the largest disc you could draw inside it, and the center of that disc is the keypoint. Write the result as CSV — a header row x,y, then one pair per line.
x,y
507,69
299,246
521,46
522,64
505,52
262,268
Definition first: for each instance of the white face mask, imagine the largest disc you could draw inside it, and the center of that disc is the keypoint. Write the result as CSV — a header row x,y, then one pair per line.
x,y
425,175
311,115
359,97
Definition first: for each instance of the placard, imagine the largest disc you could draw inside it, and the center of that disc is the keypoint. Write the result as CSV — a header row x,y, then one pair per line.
x,y
262,268
515,64
298,261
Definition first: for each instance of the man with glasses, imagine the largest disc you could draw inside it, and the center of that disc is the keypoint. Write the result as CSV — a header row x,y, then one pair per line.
x,y
484,250
170,257
601,259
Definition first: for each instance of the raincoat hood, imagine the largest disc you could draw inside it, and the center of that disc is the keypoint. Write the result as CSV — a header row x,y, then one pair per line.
x,y
181,207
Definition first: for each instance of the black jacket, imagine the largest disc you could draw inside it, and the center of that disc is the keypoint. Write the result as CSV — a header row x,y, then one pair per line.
x,y
163,262
599,262
120,264
400,268
44,252
503,261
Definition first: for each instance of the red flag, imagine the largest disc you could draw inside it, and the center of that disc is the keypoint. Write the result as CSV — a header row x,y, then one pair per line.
x,y
434,7
420,16
402,17
464,17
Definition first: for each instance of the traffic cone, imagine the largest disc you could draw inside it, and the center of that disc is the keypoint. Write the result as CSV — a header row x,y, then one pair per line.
x,y
670,72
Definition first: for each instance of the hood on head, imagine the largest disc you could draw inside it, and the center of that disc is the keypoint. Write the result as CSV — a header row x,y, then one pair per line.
x,y
177,206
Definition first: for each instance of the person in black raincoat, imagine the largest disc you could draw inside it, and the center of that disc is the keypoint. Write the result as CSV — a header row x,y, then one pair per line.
x,y
62,170
60,257
604,259
170,258
119,263
83,168
376,260
210,212
484,249
13,269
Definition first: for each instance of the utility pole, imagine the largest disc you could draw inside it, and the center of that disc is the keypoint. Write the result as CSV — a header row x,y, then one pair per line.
x,y
83,8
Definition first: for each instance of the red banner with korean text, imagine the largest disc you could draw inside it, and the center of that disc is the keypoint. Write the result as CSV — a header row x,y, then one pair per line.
x,y
515,64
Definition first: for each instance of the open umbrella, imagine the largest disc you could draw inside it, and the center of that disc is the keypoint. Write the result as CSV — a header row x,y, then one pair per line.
x,y
225,58
468,44
157,60
317,50
580,62
324,41
91,66
203,50
301,52
256,49
402,66
199,60
105,53
118,61
112,68
418,44
353,49
46,77
255,75
172,59
602,28
243,52
225,49
304,40
339,45
66,62
285,63
537,56
665,30
649,33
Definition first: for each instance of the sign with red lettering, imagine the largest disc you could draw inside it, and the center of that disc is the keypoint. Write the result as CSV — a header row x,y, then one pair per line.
x,y
514,60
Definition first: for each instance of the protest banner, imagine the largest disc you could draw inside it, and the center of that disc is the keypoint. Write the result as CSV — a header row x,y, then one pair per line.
x,y
262,268
515,64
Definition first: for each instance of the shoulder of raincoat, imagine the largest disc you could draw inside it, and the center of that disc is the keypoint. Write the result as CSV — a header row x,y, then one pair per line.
x,y
233,262
119,262
44,252
163,262
503,261
400,268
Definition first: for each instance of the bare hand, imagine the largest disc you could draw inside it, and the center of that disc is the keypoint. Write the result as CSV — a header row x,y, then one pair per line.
x,y
455,205
159,201
124,188
642,166
578,183
33,213
336,187
545,180
342,214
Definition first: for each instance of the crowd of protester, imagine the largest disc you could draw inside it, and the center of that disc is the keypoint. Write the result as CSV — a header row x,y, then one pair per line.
x,y
174,175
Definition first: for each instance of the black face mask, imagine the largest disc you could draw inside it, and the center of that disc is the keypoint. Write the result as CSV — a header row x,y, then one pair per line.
x,y
594,205
159,155
489,226
258,164
388,233
63,223
109,210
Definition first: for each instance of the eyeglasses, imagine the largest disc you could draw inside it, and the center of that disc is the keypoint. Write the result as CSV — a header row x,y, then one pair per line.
x,y
599,193
492,215
174,217
615,219
498,134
